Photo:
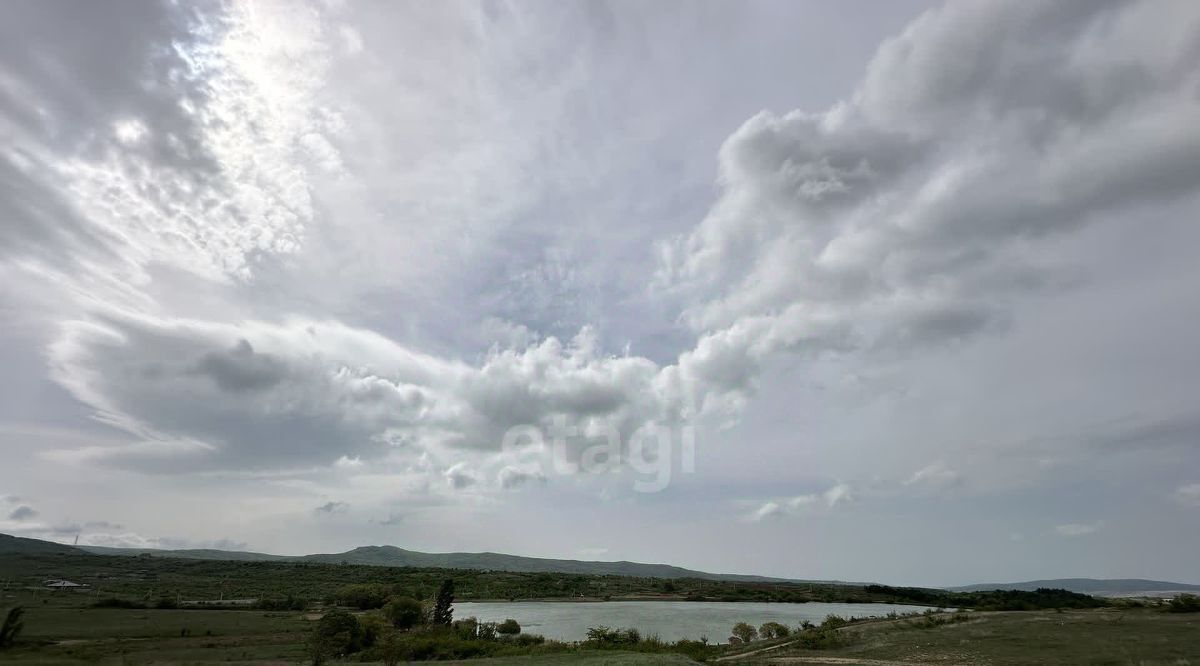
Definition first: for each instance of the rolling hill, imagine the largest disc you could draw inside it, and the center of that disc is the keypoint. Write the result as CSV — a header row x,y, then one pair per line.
x,y
391,556
21,545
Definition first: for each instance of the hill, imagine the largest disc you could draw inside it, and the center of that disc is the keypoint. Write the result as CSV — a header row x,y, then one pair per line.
x,y
391,556
1103,587
20,545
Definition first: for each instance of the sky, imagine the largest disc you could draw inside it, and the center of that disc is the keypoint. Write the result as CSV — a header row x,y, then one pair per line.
x,y
901,292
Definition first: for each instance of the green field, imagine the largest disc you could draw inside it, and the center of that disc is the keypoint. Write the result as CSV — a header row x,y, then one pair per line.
x,y
1137,637
66,627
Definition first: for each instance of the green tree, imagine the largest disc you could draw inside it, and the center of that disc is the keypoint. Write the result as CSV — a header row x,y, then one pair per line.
x,y
12,626
744,632
404,612
443,607
509,627
773,630
337,633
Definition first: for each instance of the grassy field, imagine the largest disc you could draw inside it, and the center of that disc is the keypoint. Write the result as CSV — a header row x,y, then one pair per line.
x,y
1141,637
65,628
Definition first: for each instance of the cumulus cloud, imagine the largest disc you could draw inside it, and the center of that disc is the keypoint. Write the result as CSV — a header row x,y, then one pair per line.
x,y
1077,529
906,216
913,212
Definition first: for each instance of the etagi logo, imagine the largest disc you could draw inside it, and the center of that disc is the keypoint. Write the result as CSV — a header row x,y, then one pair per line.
x,y
651,451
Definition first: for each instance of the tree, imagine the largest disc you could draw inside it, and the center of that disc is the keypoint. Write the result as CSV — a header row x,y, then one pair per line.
x,y
404,612
12,626
773,630
744,632
509,627
443,608
337,633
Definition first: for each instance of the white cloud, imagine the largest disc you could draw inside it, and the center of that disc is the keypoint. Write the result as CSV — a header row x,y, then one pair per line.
x,y
910,214
459,476
1077,529
836,495
767,510
934,475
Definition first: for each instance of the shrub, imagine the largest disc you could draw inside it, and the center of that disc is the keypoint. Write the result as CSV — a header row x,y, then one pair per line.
x,y
288,603
337,633
113,602
745,632
773,630
404,612
363,596
12,626
509,627
466,628
1184,603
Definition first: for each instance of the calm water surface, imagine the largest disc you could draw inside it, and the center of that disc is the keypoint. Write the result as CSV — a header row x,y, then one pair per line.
x,y
671,620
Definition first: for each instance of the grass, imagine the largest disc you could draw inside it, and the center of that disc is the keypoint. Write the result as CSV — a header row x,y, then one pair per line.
x,y
584,658
1142,637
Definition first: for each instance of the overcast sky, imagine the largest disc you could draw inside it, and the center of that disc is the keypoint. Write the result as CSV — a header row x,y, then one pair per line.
x,y
904,292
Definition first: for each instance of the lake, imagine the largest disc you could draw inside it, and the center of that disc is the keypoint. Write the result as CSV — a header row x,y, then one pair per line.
x,y
670,620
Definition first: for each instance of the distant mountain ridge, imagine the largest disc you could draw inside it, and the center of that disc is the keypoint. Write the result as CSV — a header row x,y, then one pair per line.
x,y
392,556
1102,587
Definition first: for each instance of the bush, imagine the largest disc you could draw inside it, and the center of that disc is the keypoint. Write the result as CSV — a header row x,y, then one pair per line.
x,y
12,626
337,633
288,603
113,602
363,596
373,626
404,612
744,632
509,627
466,628
773,630
1184,603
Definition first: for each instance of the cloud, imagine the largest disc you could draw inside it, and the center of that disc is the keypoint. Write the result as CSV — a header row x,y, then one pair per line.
x,y
935,475
22,512
1077,530
459,476
1188,494
392,519
514,477
912,213
330,508
836,495
767,510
